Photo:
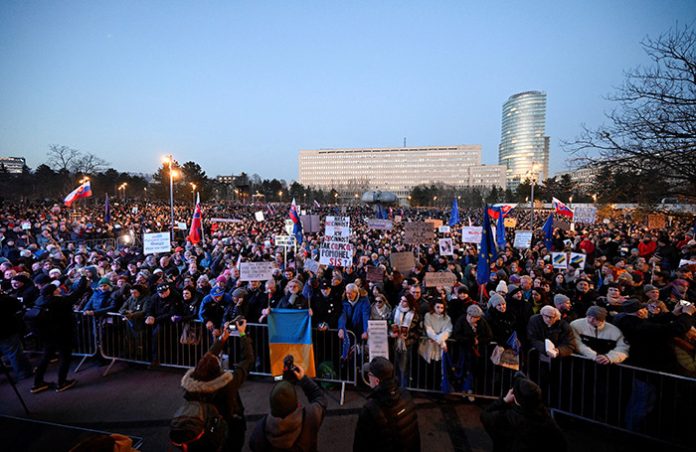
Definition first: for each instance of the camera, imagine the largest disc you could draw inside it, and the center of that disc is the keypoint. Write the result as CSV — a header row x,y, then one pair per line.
x,y
289,369
232,327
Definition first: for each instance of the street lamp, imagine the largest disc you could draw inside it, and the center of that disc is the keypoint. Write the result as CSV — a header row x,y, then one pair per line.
x,y
594,197
169,159
122,187
280,195
193,190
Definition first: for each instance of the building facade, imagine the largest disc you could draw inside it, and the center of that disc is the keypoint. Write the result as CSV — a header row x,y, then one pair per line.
x,y
524,146
13,165
354,170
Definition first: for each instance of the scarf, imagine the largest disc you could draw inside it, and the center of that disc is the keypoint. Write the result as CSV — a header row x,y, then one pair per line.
x,y
402,319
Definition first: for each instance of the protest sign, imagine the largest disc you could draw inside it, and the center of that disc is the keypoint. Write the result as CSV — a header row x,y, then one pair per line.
x,y
310,223
446,248
397,219
443,229
509,222
377,339
436,223
285,240
226,220
560,260
578,260
259,216
379,224
561,223
683,262
440,279
26,225
418,232
156,242
523,239
586,215
311,265
256,271
134,210
289,226
336,253
180,225
375,274
402,262
472,234
657,221
337,229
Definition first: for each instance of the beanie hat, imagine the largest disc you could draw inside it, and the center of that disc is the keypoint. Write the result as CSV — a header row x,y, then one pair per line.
x,y
502,287
141,289
559,299
382,368
208,368
48,290
42,279
106,281
495,300
474,311
283,399
649,288
239,293
597,312
633,305
527,393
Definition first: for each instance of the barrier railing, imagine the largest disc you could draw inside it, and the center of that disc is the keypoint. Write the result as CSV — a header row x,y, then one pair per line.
x,y
86,339
639,401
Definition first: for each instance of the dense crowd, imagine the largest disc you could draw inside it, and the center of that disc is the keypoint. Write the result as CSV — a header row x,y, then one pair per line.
x,y
631,301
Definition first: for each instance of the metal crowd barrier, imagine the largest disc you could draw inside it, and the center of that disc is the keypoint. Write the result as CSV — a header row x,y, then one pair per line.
x,y
640,401
86,339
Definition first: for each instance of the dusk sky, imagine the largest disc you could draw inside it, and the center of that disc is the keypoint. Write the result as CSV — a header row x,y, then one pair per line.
x,y
243,86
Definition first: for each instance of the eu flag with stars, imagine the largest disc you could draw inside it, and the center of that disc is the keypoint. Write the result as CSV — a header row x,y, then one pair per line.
x,y
454,215
487,252
548,232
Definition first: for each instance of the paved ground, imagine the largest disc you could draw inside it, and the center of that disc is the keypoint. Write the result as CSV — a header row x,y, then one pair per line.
x,y
135,401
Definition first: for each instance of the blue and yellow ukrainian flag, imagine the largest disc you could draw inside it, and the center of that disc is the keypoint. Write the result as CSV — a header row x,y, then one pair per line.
x,y
290,333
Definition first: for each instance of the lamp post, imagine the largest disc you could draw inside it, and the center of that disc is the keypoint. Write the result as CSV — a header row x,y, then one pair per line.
x,y
170,160
193,190
122,188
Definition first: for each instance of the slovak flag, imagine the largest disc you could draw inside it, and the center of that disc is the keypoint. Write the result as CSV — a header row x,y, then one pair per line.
x,y
297,224
495,210
196,232
83,191
561,209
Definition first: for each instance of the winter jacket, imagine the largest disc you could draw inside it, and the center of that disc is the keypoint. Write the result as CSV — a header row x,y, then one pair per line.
x,y
297,431
134,307
502,325
355,316
607,340
58,326
213,310
514,428
100,302
388,421
162,309
559,333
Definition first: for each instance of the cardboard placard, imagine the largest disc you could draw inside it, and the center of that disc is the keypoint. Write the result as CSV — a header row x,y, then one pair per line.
x,y
311,265
259,216
418,232
256,271
509,222
156,242
379,224
443,229
657,221
440,279
310,223
446,248
561,224
578,259
436,222
285,240
180,225
472,234
587,215
523,239
402,262
336,253
377,339
559,260
375,274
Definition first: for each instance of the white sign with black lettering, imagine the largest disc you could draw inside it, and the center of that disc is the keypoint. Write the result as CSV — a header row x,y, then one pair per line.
x,y
256,271
285,240
337,229
156,242
523,239
336,253
471,234
377,339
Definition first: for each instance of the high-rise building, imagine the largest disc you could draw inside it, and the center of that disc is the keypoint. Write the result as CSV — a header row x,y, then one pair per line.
x,y
13,165
524,146
396,169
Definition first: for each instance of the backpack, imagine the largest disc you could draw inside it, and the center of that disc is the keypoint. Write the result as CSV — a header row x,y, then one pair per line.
x,y
198,426
326,371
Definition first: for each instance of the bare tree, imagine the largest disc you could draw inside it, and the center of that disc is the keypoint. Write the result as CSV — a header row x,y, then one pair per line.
x,y
89,163
62,157
653,127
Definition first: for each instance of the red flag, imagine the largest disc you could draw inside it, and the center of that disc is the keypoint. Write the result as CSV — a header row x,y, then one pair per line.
x,y
504,208
196,233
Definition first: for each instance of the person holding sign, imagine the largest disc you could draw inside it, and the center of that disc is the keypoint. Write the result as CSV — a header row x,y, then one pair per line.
x,y
438,327
356,313
405,333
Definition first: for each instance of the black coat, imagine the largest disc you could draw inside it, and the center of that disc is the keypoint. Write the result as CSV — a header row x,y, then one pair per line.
x,y
560,333
58,325
388,421
502,325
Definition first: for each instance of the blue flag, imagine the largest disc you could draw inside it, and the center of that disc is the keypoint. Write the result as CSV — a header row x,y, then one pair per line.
x,y
454,215
107,210
487,252
500,229
548,231
296,223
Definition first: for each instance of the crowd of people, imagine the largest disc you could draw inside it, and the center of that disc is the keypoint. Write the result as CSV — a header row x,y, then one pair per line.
x,y
631,302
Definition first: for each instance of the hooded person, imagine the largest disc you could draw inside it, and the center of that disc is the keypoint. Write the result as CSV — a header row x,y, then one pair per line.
x,y
290,426
388,421
208,382
520,421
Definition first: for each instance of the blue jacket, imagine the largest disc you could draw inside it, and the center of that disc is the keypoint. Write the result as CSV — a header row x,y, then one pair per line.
x,y
355,317
100,302
226,301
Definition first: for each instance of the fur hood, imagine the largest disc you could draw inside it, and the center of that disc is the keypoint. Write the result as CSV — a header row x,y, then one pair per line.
x,y
190,384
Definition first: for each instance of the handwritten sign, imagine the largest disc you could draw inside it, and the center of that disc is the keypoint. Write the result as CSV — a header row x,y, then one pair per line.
x,y
586,215
446,248
156,242
225,220
440,279
375,274
311,265
402,262
379,224
337,228
285,240
523,239
418,232
336,253
256,271
259,216
377,339
472,234
559,260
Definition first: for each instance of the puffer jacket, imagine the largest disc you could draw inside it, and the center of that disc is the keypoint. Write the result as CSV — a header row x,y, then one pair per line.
x,y
388,421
